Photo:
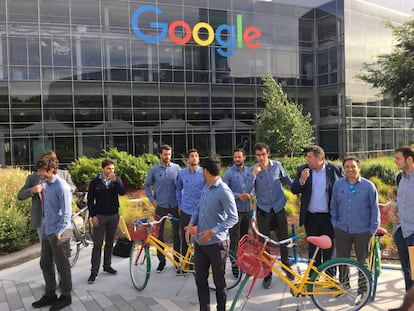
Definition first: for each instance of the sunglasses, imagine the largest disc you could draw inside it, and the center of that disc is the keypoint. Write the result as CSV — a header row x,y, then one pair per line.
x,y
352,189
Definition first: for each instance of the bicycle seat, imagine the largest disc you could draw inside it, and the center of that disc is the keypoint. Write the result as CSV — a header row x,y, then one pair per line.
x,y
193,231
323,241
381,231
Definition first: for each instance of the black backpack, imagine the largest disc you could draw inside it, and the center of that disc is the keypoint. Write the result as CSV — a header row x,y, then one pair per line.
x,y
398,178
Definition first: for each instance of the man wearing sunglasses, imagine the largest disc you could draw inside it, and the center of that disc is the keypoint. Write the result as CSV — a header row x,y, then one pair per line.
x,y
354,214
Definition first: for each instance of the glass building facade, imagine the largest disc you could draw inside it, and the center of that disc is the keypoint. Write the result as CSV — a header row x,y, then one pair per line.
x,y
79,76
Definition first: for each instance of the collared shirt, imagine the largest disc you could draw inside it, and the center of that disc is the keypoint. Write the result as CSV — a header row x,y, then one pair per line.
x,y
216,211
57,206
189,185
405,205
164,182
240,182
268,187
318,202
354,209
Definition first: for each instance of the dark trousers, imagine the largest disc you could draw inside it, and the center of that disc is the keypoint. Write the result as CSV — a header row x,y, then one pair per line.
x,y
278,223
106,228
215,256
318,224
160,211
184,220
402,246
240,229
54,251
344,242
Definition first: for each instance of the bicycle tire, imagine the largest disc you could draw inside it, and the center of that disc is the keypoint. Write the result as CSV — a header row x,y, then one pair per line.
x,y
375,269
74,248
357,275
232,273
240,299
139,265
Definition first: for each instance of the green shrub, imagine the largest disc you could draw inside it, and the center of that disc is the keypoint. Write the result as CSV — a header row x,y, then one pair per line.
x,y
15,230
83,170
383,167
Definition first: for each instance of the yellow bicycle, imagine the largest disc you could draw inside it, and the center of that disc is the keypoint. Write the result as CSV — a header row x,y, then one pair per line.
x,y
145,234
337,284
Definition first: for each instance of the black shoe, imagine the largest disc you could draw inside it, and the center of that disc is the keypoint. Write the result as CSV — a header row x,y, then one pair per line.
x,y
161,267
44,301
178,271
110,270
267,282
92,277
62,302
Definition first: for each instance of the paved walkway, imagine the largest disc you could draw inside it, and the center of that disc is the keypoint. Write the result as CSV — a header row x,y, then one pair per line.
x,y
22,284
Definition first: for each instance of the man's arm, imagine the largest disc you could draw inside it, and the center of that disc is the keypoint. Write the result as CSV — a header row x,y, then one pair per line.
x,y
147,185
26,191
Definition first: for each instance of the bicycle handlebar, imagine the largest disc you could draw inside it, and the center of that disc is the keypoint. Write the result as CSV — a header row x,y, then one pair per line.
x,y
290,242
144,221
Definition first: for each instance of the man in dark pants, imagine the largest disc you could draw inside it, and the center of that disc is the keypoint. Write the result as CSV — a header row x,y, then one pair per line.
x,y
214,216
103,205
271,200
314,181
57,231
160,188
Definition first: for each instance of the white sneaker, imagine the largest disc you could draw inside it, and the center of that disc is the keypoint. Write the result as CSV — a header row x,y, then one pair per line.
x,y
359,299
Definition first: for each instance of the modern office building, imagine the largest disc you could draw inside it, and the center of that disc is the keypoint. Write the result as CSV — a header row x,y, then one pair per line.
x,y
79,76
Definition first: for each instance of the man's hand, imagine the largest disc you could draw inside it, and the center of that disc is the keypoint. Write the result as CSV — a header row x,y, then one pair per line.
x,y
244,197
304,175
256,170
95,221
154,203
37,189
188,233
206,236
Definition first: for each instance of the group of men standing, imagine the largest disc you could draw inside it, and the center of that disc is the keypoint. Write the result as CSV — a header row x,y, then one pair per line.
x,y
335,201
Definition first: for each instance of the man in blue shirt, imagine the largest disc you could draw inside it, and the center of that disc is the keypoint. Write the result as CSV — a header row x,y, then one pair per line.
x,y
162,178
189,184
354,214
271,200
240,180
404,228
57,231
314,182
214,216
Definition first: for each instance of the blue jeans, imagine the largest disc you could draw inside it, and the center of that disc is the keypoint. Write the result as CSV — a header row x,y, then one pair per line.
x,y
402,245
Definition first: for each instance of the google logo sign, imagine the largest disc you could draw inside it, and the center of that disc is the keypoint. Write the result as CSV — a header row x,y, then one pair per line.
x,y
237,36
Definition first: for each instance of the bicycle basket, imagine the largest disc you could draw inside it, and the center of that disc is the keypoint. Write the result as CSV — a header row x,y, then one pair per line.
x,y
141,232
250,257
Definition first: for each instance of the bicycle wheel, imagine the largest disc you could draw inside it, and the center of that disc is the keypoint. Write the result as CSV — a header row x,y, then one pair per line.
x,y
74,248
139,265
241,297
232,273
351,275
375,268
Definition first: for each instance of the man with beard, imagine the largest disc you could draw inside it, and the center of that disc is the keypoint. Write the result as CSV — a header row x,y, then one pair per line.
x,y
162,178
240,180
189,184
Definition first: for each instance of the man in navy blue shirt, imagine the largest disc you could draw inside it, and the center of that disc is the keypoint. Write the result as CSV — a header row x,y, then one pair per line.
x,y
162,178
214,216
271,200
189,184
240,180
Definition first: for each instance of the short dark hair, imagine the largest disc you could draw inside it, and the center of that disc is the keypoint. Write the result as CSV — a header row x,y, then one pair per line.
x,y
47,162
406,151
239,150
261,146
352,158
212,164
316,150
165,147
107,162
191,151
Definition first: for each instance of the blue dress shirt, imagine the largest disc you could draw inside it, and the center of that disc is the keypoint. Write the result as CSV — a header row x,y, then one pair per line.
x,y
405,205
164,182
354,208
216,211
57,206
189,185
268,187
240,182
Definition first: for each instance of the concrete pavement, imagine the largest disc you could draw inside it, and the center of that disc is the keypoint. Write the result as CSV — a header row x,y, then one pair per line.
x,y
22,284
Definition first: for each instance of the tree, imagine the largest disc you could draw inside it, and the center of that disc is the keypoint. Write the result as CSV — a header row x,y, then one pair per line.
x,y
393,73
281,124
